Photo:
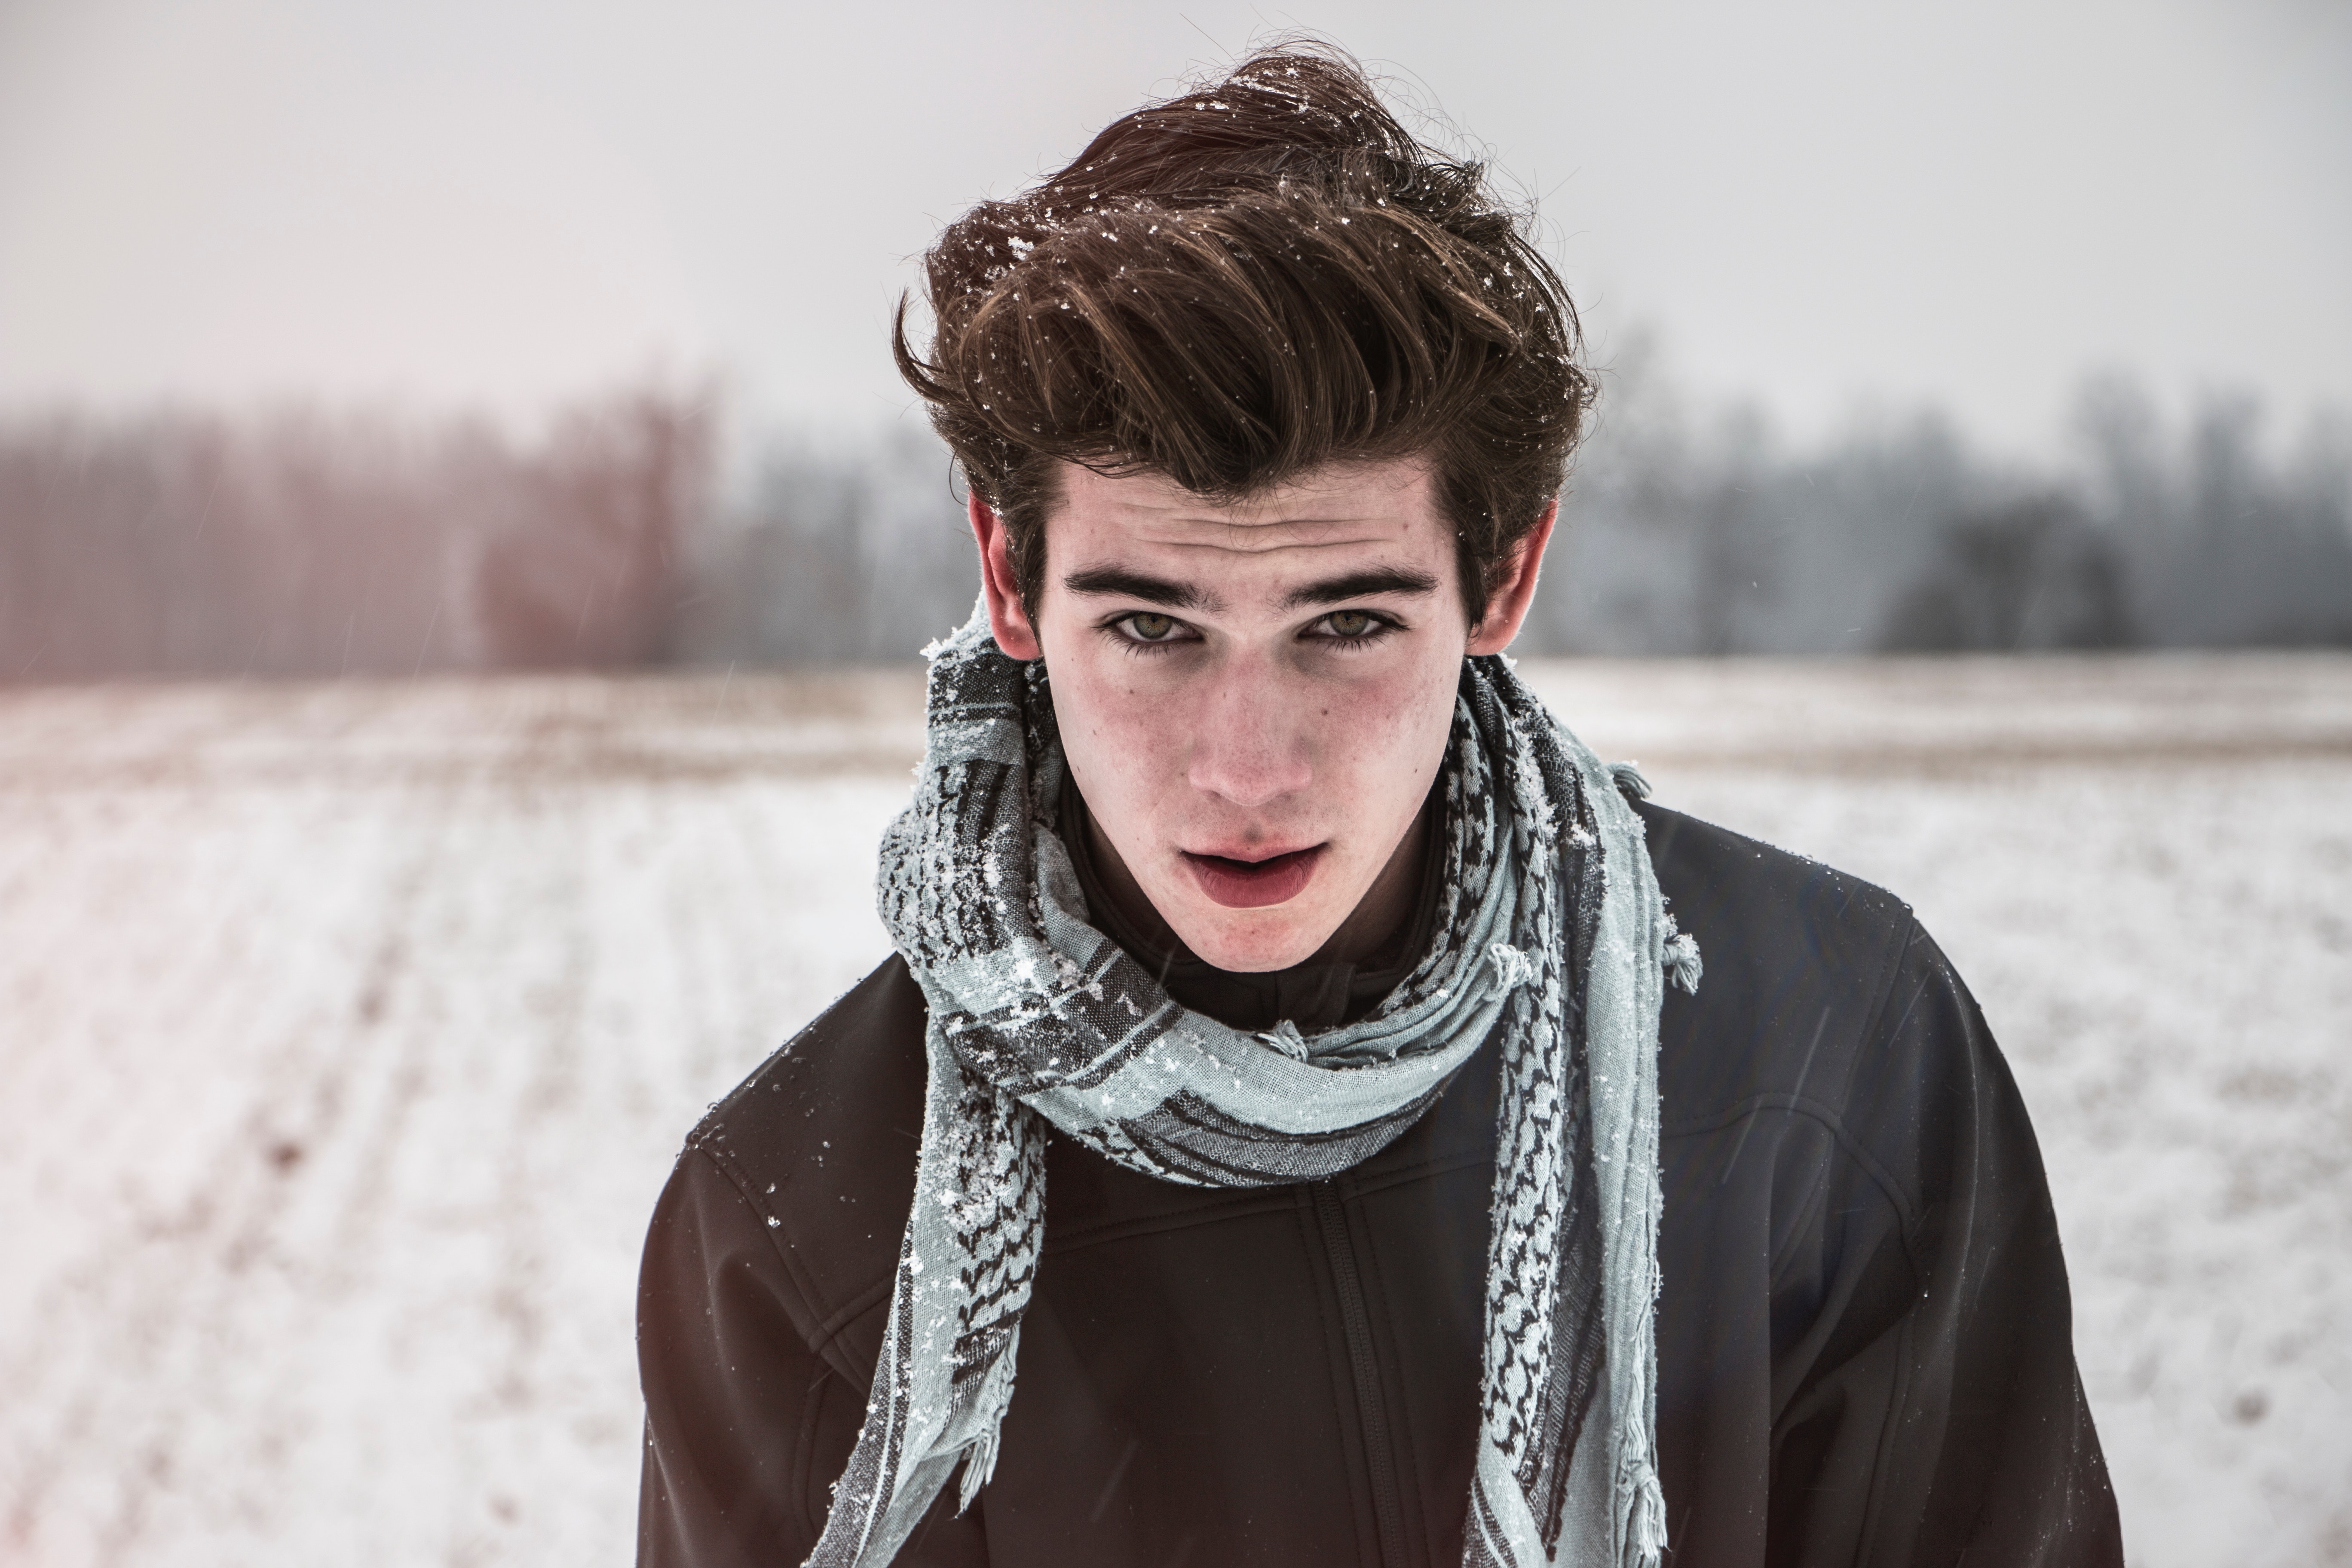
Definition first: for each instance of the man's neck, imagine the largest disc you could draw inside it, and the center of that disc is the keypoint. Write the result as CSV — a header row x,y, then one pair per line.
x,y
1371,927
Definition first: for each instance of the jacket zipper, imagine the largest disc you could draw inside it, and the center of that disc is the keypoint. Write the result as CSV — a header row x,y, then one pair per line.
x,y
1370,1408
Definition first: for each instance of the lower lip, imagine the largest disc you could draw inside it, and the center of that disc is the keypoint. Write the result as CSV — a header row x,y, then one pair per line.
x,y
1254,884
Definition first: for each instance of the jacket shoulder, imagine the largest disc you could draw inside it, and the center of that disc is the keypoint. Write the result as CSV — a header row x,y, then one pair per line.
x,y
1823,998
821,1140
1799,958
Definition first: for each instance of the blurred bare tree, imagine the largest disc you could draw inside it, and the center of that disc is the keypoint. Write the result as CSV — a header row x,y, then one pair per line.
x,y
2222,547
842,553
586,567
305,544
2030,574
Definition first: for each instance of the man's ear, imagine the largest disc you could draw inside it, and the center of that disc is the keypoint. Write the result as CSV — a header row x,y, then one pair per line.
x,y
1006,616
1514,593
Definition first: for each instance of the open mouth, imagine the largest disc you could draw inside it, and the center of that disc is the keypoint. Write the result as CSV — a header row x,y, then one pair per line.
x,y
1254,884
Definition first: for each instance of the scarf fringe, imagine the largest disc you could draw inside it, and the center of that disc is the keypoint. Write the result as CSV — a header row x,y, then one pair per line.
x,y
1629,779
1645,1524
1682,960
979,1465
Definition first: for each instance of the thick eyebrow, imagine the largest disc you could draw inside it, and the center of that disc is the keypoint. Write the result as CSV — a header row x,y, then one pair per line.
x,y
1112,582
1360,585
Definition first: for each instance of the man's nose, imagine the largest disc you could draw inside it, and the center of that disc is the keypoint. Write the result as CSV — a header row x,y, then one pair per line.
x,y
1251,745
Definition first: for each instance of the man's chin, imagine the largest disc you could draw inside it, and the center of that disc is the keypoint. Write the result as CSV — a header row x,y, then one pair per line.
x,y
1253,941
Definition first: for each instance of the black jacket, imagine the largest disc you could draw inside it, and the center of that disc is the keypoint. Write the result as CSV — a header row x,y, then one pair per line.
x,y
1864,1333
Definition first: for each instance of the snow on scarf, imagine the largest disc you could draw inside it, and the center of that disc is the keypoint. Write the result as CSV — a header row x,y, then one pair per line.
x,y
1550,940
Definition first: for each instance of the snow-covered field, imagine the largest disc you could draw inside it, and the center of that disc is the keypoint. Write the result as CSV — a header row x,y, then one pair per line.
x,y
346,1032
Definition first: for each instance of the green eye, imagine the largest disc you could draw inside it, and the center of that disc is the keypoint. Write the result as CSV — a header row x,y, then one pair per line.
x,y
1151,627
1350,623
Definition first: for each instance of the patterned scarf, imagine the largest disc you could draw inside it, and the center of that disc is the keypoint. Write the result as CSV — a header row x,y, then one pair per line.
x,y
1551,941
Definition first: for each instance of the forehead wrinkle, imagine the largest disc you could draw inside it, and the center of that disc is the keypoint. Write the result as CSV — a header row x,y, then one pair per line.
x,y
1145,513
1228,548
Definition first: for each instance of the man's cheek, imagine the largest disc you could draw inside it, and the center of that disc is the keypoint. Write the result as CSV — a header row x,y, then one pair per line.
x,y
1133,723
1124,743
1381,716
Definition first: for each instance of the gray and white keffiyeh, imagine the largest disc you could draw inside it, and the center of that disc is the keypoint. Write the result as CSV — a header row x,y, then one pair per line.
x,y
1549,940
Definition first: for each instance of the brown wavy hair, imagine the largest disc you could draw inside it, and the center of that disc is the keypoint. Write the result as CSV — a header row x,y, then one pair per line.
x,y
1240,285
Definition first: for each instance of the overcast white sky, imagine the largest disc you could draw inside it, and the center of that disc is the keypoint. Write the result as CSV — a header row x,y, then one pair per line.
x,y
1829,205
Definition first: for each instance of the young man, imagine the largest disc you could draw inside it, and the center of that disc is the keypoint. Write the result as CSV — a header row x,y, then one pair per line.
x,y
1293,1129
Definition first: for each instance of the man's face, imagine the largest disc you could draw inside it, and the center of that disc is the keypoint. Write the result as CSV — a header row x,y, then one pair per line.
x,y
1254,699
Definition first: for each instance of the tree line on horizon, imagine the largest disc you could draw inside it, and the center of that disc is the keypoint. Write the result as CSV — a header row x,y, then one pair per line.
x,y
304,544
308,544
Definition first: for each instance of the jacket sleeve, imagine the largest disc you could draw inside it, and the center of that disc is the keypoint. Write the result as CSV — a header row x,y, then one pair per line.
x,y
747,1425
1932,1412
